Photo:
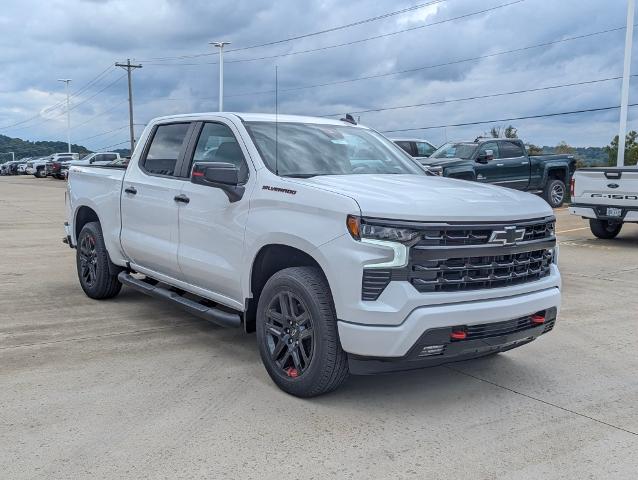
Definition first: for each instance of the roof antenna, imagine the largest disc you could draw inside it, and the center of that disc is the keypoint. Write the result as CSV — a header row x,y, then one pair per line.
x,y
276,120
349,118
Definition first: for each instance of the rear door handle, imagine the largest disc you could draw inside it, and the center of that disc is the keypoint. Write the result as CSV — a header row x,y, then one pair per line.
x,y
500,164
181,198
131,190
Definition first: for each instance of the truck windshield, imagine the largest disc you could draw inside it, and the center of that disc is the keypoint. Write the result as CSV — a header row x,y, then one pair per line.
x,y
307,150
464,151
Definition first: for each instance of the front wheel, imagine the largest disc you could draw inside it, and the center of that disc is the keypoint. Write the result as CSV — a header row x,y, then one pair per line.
x,y
604,228
297,333
554,193
93,264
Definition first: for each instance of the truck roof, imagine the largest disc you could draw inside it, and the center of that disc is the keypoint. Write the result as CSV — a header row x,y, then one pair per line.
x,y
254,117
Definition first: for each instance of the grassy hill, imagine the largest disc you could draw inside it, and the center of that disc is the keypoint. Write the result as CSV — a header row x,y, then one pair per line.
x,y
27,148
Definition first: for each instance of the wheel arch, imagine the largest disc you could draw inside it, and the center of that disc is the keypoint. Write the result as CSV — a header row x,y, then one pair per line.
x,y
268,260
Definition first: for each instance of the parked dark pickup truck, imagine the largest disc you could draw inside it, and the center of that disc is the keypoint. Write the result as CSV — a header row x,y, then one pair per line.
x,y
505,162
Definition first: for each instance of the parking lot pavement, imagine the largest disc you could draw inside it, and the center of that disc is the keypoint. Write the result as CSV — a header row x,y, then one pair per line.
x,y
133,387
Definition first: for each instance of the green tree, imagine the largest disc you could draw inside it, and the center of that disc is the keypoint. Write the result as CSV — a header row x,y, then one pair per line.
x,y
564,148
507,132
631,149
533,149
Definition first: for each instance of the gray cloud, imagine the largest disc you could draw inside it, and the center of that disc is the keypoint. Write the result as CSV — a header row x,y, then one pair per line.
x,y
43,41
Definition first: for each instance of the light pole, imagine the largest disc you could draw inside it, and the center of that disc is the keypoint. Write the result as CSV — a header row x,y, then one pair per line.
x,y
624,92
221,46
68,112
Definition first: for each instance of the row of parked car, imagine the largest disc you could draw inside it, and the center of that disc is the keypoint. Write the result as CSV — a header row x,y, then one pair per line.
x,y
55,165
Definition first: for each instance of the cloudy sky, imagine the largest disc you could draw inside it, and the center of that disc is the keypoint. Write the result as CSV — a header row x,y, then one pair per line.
x,y
435,46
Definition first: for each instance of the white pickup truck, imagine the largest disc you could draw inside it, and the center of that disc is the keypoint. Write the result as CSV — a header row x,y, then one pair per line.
x,y
607,196
323,237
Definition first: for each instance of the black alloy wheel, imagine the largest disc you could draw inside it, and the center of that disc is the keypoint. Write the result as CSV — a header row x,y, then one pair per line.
x,y
88,260
289,334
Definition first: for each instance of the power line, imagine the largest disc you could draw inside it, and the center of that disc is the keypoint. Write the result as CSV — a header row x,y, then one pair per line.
x,y
111,146
99,114
526,117
478,97
353,42
108,131
312,34
61,103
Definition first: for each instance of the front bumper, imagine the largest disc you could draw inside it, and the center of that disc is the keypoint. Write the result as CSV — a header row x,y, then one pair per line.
x,y
395,343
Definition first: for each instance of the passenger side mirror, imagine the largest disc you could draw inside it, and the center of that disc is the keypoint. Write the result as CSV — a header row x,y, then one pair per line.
x,y
485,157
224,176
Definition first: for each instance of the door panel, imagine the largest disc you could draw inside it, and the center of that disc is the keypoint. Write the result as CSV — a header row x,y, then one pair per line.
x,y
514,166
149,211
211,228
488,172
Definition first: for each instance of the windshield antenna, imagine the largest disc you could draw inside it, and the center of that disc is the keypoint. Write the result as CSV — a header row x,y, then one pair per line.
x,y
276,120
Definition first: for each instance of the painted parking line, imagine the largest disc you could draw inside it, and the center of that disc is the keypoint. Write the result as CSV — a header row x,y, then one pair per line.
x,y
573,230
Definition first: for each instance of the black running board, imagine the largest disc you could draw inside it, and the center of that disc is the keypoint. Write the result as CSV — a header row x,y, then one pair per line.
x,y
212,314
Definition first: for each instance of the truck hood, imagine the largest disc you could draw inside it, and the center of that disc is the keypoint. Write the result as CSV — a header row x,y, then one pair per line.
x,y
432,198
443,162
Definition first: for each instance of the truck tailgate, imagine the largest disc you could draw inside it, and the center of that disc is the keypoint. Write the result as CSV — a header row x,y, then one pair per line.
x,y
606,186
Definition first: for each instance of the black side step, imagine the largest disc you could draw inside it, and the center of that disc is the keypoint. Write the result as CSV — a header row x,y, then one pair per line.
x,y
212,314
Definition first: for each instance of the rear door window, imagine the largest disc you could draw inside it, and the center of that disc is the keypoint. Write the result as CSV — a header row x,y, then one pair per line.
x,y
166,146
424,149
511,150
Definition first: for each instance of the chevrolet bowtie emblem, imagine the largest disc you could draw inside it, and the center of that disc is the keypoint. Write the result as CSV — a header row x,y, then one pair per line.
x,y
507,236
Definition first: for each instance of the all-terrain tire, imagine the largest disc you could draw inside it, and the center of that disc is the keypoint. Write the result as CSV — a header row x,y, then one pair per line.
x,y
555,193
604,229
92,262
327,368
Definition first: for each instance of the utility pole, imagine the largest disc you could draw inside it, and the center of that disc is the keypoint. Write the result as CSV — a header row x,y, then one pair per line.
x,y
221,46
128,66
68,113
624,92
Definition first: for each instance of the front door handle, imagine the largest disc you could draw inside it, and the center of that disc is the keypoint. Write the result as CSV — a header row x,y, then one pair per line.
x,y
131,190
500,164
181,198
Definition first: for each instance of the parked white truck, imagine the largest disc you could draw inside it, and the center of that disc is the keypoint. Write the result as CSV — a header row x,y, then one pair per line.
x,y
321,235
607,196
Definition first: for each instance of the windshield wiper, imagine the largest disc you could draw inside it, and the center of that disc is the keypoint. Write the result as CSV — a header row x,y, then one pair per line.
x,y
303,175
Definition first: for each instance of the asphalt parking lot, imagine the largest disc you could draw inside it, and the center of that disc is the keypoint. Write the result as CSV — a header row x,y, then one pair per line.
x,y
133,387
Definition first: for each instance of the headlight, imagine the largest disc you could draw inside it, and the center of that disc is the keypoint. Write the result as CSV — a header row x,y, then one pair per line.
x,y
361,230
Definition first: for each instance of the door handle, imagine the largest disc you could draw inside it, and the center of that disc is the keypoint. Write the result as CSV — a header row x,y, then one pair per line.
x,y
181,198
523,163
500,164
131,190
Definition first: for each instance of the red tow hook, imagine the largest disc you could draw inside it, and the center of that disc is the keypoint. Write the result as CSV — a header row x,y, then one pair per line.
x,y
538,319
458,335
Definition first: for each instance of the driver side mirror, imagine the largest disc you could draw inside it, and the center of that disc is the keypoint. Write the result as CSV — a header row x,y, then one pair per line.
x,y
485,157
224,176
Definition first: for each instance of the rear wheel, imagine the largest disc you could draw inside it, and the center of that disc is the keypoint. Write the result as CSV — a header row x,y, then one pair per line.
x,y
554,193
297,333
93,264
604,228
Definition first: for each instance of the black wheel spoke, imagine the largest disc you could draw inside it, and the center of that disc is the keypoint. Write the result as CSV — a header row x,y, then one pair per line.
x,y
289,333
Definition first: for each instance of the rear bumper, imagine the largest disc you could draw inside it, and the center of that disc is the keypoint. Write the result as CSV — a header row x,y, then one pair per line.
x,y
398,344
629,214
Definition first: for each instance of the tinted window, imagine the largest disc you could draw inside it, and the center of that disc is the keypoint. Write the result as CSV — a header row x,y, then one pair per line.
x,y
218,144
424,149
165,148
405,146
511,150
490,146
455,150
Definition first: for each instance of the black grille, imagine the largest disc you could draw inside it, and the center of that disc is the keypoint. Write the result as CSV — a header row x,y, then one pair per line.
x,y
374,282
475,273
453,235
486,330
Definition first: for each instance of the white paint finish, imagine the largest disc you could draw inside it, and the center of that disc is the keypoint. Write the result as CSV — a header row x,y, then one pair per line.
x,y
384,341
592,187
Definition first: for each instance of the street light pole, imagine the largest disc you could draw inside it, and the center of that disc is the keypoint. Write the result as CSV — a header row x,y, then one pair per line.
x,y
68,113
221,46
624,92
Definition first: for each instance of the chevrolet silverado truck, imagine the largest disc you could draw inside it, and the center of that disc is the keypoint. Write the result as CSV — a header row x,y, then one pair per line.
x,y
322,236
505,162
607,197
